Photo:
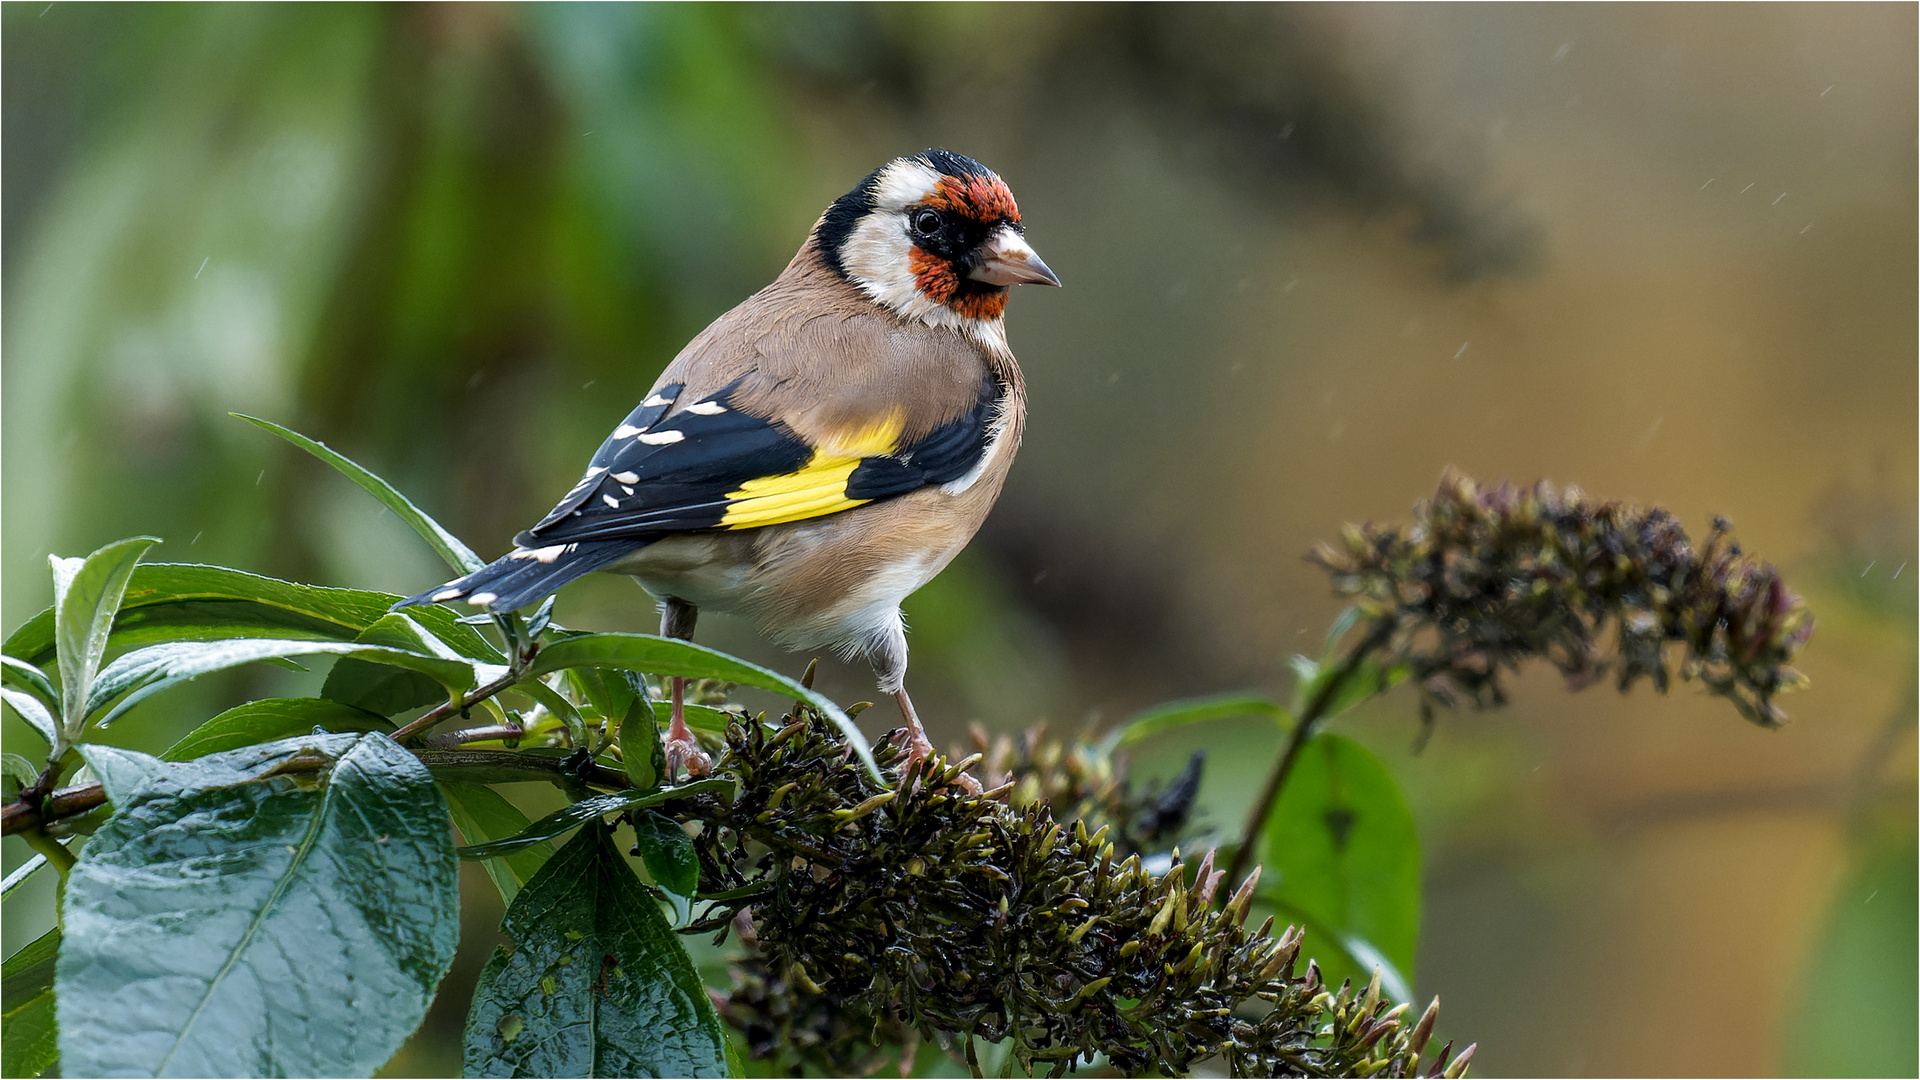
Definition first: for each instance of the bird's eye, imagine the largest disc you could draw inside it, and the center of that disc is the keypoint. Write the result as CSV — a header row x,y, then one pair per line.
x,y
926,222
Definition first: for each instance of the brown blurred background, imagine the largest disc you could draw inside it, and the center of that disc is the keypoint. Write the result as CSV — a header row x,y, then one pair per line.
x,y
1313,255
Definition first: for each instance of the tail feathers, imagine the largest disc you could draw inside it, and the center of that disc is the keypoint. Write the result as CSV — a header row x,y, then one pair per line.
x,y
525,575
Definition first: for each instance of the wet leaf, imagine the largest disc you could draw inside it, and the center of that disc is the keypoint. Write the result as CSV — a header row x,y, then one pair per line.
x,y
598,806
86,596
145,672
33,712
25,676
379,688
482,814
167,602
269,719
597,983
323,908
642,753
668,853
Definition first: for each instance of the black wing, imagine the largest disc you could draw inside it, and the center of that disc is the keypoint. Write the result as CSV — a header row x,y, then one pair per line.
x,y
712,466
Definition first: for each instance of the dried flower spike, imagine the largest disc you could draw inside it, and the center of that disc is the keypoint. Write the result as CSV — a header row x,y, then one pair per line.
x,y
964,920
1488,577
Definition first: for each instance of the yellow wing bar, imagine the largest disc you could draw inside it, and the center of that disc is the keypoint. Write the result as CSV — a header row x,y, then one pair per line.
x,y
817,489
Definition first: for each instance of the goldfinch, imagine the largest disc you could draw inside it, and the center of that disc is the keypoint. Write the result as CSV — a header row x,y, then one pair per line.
x,y
820,451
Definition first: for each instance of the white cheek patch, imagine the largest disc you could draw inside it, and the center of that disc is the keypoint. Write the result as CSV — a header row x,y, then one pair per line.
x,y
878,256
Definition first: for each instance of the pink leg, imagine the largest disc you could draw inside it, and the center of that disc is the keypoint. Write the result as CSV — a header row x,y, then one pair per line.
x,y
682,748
676,621
919,747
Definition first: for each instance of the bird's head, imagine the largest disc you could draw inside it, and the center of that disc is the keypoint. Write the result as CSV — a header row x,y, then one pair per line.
x,y
935,236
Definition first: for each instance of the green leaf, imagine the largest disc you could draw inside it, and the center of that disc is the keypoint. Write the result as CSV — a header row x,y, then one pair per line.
x,y
86,597
557,704
168,602
642,753
144,672
482,814
605,691
1858,996
708,718
269,719
1342,850
598,806
122,772
19,770
33,712
21,674
285,925
1194,711
597,984
29,1041
457,555
667,656
379,688
383,688
668,853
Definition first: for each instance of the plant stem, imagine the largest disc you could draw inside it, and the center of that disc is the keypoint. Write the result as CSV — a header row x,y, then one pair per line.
x,y
473,766
473,734
1310,716
56,852
428,719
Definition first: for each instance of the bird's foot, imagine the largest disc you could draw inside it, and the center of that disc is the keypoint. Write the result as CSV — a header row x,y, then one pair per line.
x,y
682,750
918,751
684,753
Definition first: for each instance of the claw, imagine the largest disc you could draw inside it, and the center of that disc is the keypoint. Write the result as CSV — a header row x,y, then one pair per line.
x,y
685,753
920,750
682,750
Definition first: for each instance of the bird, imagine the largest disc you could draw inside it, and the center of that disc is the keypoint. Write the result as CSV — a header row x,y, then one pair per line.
x,y
818,452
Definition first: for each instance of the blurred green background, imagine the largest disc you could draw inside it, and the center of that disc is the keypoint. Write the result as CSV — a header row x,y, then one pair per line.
x,y
1313,255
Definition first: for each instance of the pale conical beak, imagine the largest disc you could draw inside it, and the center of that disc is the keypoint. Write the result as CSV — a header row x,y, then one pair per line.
x,y
1007,260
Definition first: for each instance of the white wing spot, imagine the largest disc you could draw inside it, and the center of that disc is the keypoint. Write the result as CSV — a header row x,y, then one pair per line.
x,y
610,501
445,594
626,431
482,599
627,477
626,489
707,408
663,438
520,553
548,554
656,401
